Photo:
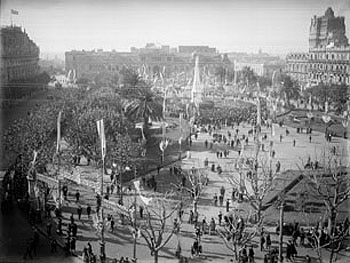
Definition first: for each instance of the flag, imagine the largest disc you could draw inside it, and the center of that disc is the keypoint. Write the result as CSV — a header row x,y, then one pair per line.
x,y
14,12
59,132
35,153
101,133
144,199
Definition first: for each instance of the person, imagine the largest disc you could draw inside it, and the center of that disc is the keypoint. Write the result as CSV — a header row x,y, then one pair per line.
x,y
227,205
307,259
72,245
28,251
251,255
79,211
310,138
77,196
88,210
48,228
112,224
35,241
268,241
221,200
262,242
215,199
222,191
141,211
206,144
53,244
278,166
65,191
281,137
294,143
212,226
220,217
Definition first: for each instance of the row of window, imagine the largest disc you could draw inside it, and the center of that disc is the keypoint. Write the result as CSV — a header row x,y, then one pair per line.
x,y
302,67
330,56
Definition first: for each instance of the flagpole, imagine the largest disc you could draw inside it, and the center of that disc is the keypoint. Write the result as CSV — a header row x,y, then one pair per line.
x,y
135,230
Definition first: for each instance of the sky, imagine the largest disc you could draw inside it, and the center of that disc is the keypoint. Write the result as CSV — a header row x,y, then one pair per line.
x,y
275,26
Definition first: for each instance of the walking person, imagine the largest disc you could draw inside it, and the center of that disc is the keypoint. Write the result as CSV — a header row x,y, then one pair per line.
x,y
77,196
221,200
220,217
112,224
251,254
268,241
79,211
262,242
88,211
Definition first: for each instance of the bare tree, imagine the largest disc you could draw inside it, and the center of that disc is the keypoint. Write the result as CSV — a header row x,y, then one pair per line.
x,y
236,234
331,185
255,182
156,229
197,179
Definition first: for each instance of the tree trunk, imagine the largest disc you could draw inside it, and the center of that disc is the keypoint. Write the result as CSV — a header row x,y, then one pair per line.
x,y
155,255
331,221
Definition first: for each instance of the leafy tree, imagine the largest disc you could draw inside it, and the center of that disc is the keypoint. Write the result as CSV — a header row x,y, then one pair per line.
x,y
289,89
248,75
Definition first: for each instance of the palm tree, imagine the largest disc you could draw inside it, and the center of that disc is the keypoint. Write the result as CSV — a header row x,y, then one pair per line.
x,y
145,105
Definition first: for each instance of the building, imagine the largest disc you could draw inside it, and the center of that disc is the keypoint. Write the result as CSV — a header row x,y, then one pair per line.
x,y
329,65
262,64
297,67
152,59
329,53
19,55
327,30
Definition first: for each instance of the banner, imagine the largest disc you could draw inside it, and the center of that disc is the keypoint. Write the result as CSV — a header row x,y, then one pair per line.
x,y
144,199
101,133
51,182
117,208
59,132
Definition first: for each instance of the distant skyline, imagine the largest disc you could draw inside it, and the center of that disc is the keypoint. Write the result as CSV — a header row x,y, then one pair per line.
x,y
275,26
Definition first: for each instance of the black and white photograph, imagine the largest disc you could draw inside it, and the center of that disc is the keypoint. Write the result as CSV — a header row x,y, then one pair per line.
x,y
163,131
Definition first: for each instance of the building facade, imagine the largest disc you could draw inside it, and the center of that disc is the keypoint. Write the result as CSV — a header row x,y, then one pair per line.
x,y
329,65
19,55
329,53
152,59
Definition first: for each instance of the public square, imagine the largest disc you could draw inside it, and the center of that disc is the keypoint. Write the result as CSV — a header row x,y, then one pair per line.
x,y
162,131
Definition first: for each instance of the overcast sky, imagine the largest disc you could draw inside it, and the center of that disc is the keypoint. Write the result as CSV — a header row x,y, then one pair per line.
x,y
275,26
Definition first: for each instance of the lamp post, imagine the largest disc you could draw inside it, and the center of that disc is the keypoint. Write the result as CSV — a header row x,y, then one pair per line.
x,y
102,248
134,223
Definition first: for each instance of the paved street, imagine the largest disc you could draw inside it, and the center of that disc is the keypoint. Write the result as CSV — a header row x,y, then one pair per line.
x,y
119,243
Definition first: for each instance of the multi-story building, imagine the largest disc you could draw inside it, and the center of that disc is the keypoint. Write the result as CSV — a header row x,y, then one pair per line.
x,y
329,53
19,55
329,65
327,30
297,67
152,59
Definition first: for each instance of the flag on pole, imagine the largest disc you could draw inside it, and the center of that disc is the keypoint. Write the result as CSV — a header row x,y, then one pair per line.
x,y
14,12
58,148
101,134
144,199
